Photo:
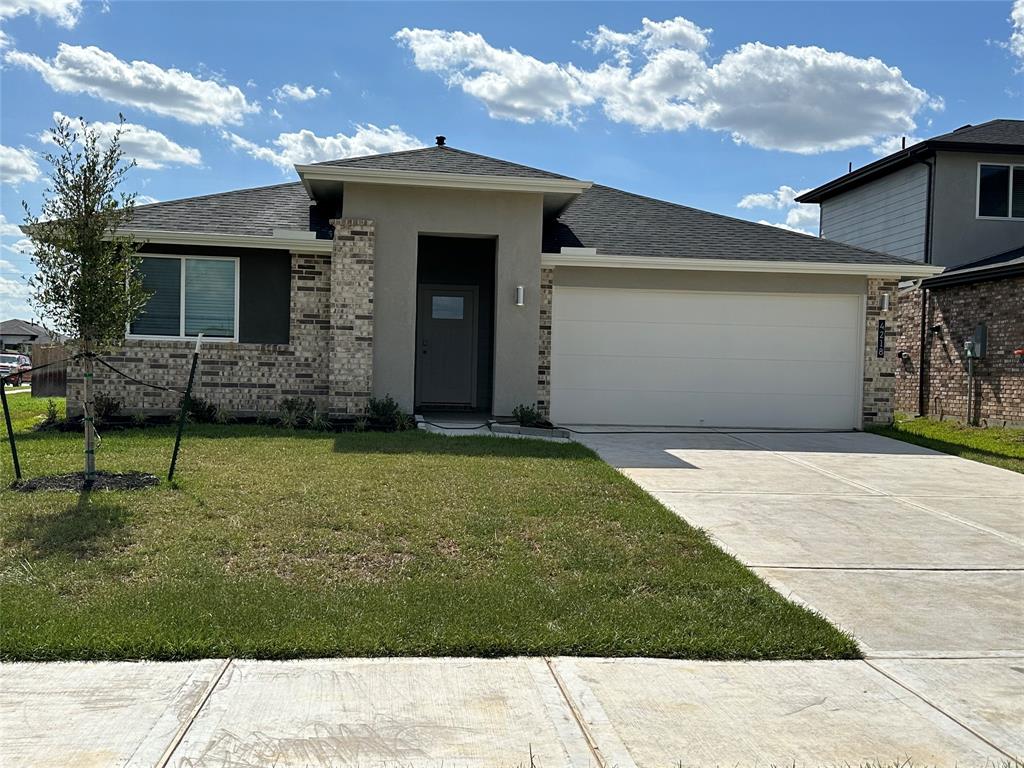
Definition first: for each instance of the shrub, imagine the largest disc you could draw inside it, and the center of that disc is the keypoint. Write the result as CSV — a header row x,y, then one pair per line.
x,y
51,412
105,407
527,416
201,411
361,424
295,412
386,412
320,421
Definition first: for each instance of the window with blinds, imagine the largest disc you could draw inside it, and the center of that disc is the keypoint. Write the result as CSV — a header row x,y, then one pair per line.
x,y
190,295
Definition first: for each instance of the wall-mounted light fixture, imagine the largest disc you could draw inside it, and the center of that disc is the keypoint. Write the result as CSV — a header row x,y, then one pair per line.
x,y
520,296
885,302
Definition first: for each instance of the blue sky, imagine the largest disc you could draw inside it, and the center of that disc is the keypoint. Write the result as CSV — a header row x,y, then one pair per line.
x,y
707,104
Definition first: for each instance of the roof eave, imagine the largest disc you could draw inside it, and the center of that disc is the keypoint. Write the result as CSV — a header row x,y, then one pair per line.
x,y
310,173
738,265
913,154
981,274
300,243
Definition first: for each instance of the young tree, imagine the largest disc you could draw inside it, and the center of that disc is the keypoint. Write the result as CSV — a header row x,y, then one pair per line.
x,y
87,281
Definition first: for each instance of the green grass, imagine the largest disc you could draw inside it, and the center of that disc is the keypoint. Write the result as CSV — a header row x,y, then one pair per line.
x,y
999,446
279,544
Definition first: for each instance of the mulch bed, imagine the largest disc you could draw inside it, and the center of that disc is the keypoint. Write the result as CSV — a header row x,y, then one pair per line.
x,y
103,481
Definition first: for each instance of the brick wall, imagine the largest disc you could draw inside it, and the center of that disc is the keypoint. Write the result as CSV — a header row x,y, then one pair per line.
x,y
351,354
879,372
329,357
958,310
547,275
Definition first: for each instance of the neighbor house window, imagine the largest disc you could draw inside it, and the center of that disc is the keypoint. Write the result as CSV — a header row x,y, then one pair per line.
x,y
1000,191
190,295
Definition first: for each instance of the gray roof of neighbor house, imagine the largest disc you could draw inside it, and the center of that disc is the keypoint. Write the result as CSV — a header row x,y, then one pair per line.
x,y
444,159
995,136
1007,264
17,327
615,222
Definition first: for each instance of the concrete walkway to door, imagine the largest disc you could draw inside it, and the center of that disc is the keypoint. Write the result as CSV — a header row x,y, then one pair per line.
x,y
918,554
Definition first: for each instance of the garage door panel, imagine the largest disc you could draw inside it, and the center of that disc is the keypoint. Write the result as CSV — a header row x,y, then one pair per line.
x,y
624,356
767,342
600,304
717,409
694,375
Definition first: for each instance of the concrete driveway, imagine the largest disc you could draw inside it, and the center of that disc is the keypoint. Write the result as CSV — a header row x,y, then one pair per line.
x,y
918,554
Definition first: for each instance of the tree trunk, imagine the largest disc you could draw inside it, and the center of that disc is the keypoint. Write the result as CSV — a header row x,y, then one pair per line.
x,y
89,414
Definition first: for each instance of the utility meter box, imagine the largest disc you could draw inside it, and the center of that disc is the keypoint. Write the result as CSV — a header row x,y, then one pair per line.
x,y
975,347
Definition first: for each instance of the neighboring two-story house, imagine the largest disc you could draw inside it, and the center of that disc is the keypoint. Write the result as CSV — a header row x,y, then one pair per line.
x,y
956,201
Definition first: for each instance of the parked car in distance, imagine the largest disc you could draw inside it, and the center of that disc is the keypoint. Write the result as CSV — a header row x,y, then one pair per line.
x,y
16,366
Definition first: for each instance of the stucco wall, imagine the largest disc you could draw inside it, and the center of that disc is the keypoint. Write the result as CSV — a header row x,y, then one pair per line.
x,y
404,213
958,235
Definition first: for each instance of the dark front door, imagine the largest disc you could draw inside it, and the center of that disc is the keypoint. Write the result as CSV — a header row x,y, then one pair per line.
x,y
446,346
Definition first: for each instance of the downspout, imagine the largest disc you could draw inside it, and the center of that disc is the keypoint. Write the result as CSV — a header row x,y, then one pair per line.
x,y
922,400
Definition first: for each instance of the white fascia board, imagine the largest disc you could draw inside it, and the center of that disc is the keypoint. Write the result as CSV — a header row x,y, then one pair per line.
x,y
739,265
297,244
434,179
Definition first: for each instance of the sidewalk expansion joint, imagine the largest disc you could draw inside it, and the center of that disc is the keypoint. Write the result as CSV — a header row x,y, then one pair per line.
x,y
183,730
939,709
595,750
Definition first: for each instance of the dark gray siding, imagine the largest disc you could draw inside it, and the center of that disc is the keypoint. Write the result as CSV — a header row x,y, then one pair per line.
x,y
888,215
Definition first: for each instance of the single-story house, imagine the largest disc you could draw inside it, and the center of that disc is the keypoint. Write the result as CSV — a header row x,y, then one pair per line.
x,y
20,335
454,281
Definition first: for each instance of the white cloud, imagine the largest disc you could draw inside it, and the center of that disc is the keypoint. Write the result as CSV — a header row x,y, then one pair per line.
x,y
891,144
21,247
14,293
802,99
306,147
1016,42
8,229
511,85
63,12
140,84
18,164
145,200
292,92
151,149
799,217
6,266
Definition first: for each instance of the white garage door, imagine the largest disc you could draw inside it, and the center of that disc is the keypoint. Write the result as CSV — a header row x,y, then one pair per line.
x,y
623,356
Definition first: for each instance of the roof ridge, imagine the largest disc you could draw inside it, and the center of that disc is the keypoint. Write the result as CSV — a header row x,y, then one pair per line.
x,y
219,194
755,224
375,154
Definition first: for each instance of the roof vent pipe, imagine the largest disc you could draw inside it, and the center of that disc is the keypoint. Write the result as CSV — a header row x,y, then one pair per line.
x,y
439,140
904,143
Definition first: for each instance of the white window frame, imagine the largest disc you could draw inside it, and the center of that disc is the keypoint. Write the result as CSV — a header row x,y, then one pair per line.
x,y
181,309
1009,194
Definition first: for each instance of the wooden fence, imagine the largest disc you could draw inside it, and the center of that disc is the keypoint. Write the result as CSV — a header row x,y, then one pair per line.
x,y
52,381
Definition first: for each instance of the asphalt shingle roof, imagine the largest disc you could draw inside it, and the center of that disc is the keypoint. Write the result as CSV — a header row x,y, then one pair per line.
x,y
444,160
993,132
625,224
611,220
256,211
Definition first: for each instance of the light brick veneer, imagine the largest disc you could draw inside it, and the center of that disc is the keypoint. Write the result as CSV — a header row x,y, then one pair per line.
x,y
879,372
329,357
547,275
957,310
351,358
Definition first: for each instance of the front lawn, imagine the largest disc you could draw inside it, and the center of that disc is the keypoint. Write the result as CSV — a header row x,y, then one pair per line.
x,y
280,544
999,446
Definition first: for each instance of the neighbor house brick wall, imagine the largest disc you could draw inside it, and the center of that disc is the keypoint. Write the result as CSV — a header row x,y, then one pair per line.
x,y
908,323
246,379
879,372
351,357
547,275
999,376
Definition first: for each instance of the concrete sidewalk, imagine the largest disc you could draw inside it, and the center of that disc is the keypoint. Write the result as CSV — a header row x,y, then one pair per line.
x,y
475,712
